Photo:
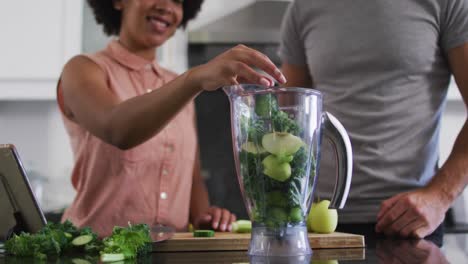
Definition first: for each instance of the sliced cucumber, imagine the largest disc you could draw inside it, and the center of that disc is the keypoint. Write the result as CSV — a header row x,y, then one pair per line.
x,y
68,235
281,143
82,240
253,148
242,226
203,233
107,257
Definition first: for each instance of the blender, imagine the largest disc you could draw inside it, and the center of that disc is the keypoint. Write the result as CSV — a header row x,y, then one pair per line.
x,y
276,136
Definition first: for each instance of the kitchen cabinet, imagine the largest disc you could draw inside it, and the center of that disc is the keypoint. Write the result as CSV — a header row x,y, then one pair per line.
x,y
38,37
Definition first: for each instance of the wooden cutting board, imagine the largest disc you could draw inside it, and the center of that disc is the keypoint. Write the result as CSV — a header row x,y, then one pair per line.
x,y
224,241
230,257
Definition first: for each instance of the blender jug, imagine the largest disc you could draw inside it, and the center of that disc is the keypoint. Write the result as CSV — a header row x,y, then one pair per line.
x,y
276,135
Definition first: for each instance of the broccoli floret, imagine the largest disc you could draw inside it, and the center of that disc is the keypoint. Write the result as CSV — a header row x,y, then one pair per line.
x,y
282,123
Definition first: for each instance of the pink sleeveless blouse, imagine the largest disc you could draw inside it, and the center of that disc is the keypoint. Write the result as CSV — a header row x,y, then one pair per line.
x,y
150,183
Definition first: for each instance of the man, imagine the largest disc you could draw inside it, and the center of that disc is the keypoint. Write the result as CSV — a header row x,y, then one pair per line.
x,y
384,69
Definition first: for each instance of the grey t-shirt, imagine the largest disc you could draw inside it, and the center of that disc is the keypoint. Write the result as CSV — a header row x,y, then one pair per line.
x,y
382,67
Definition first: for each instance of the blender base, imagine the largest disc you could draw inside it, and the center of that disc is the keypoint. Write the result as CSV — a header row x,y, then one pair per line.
x,y
283,241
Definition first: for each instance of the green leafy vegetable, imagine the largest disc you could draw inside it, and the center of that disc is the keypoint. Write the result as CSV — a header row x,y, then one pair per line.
x,y
130,241
256,131
282,123
265,105
53,240
275,177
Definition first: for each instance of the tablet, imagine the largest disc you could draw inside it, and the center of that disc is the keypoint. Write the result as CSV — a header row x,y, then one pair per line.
x,y
19,210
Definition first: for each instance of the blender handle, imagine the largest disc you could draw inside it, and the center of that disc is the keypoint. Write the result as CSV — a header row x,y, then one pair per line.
x,y
336,133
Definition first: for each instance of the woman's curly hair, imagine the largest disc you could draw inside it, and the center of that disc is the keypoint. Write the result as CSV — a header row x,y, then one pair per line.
x,y
110,18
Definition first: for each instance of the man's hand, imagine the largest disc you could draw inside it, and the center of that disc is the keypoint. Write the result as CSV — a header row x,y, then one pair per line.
x,y
215,218
417,214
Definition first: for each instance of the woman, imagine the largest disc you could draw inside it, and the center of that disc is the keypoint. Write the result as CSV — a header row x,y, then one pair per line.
x,y
131,122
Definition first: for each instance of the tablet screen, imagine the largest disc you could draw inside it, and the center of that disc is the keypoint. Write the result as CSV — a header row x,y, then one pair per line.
x,y
19,209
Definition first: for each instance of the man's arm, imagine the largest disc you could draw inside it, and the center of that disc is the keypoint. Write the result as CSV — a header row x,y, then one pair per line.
x,y
453,176
418,213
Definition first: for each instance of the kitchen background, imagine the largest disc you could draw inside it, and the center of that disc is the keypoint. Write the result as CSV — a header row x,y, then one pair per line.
x,y
38,37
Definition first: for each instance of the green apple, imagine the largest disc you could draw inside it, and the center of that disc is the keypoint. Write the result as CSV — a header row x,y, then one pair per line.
x,y
252,148
321,219
276,169
281,143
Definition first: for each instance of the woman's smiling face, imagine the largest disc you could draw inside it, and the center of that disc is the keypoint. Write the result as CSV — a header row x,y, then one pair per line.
x,y
149,23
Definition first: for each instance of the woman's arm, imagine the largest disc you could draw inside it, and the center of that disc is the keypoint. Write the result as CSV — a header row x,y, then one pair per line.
x,y
202,215
127,124
199,199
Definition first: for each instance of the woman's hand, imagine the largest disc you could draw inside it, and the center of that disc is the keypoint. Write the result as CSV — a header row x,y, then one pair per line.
x,y
233,67
215,218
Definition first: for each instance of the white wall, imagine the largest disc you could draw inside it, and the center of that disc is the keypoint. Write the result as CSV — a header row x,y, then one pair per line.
x,y
35,128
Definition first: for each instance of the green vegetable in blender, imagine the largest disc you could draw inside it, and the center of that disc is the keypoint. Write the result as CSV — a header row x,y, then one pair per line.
x,y
273,179
253,130
265,104
281,143
282,123
276,217
296,215
276,169
276,199
252,148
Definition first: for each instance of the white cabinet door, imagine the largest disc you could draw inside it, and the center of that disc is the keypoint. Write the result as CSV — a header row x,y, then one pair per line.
x,y
37,38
